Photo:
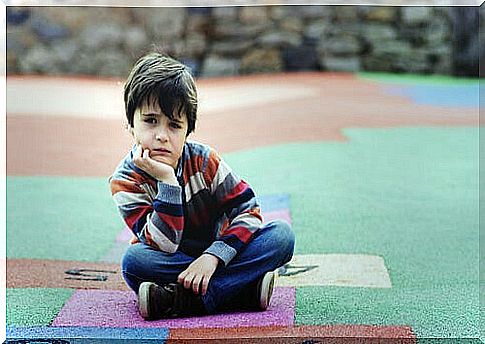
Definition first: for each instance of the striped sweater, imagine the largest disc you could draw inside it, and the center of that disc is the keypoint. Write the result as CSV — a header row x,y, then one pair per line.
x,y
211,210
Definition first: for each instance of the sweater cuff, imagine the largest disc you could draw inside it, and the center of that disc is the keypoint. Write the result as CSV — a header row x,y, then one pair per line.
x,y
222,251
169,193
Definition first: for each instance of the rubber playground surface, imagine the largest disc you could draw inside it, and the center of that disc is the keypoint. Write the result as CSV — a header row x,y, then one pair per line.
x,y
378,175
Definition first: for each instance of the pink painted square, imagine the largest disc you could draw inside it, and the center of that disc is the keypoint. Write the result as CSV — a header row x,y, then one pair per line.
x,y
101,308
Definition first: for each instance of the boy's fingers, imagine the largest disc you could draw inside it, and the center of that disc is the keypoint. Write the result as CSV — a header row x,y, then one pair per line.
x,y
205,284
181,277
196,284
188,281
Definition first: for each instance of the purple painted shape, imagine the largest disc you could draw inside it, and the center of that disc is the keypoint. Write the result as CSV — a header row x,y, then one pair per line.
x,y
283,214
125,235
101,308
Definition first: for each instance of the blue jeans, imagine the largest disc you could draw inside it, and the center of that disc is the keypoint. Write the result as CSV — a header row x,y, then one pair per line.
x,y
271,247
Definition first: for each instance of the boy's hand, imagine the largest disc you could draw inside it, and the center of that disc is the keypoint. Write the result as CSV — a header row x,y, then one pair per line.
x,y
199,273
156,169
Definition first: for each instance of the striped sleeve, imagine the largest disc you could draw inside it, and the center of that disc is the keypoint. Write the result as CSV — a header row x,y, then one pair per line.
x,y
238,202
156,221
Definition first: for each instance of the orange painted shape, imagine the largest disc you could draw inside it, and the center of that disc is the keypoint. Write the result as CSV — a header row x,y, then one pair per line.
x,y
297,334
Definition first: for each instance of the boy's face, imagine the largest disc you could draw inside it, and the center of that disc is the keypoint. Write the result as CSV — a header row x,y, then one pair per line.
x,y
164,137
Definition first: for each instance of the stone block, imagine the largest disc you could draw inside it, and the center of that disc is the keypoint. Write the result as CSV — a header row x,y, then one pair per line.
x,y
112,62
380,14
278,13
313,12
415,15
292,24
101,37
346,13
48,30
280,39
341,64
345,45
165,23
197,23
378,32
232,30
253,14
135,38
317,30
225,13
194,45
231,48
437,31
261,61
218,66
37,60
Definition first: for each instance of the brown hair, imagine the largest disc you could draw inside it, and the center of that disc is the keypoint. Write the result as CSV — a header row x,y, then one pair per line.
x,y
157,77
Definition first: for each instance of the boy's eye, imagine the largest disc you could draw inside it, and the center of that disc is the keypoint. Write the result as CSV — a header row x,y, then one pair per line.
x,y
175,125
150,120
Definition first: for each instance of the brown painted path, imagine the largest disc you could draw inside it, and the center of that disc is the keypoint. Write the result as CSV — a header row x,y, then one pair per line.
x,y
37,273
74,127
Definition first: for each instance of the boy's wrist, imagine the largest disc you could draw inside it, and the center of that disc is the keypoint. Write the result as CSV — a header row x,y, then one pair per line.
x,y
172,180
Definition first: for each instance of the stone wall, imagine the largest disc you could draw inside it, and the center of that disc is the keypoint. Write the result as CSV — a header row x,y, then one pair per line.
x,y
235,40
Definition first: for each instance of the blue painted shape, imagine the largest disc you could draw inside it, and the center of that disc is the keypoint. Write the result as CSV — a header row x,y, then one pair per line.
x,y
274,202
439,95
101,334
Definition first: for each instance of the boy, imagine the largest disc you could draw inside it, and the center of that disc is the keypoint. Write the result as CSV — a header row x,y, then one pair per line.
x,y
200,246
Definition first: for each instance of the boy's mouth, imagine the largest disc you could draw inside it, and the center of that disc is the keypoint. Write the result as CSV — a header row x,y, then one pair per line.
x,y
160,151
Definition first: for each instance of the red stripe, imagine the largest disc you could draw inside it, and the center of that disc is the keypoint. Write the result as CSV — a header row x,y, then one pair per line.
x,y
212,167
238,189
241,232
137,215
174,222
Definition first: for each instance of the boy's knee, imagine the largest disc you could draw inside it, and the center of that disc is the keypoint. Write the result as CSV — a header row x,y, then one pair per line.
x,y
132,259
283,235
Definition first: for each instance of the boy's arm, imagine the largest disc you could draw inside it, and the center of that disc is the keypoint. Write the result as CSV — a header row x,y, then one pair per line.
x,y
237,200
158,222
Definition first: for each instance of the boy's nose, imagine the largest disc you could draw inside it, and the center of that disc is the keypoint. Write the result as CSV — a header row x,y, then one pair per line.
x,y
161,135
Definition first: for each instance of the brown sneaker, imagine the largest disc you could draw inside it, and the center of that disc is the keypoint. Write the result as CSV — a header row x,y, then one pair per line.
x,y
265,289
168,301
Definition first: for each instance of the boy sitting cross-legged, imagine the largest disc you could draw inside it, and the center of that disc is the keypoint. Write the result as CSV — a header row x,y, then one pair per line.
x,y
200,246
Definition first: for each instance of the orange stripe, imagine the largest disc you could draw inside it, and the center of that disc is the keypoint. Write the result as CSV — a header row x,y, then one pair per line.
x,y
118,185
297,334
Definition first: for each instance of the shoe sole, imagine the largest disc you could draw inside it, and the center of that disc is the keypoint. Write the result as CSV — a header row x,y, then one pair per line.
x,y
267,285
143,295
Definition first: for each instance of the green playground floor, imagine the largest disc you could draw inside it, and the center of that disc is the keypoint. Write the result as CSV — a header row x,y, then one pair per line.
x,y
408,195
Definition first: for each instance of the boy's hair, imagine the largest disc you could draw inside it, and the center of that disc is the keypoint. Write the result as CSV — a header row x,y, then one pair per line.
x,y
157,77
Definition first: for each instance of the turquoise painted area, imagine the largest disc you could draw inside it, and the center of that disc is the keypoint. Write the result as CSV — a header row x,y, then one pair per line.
x,y
417,79
35,306
60,218
409,195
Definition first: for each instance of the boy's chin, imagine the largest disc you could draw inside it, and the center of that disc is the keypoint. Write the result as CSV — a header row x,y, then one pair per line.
x,y
162,160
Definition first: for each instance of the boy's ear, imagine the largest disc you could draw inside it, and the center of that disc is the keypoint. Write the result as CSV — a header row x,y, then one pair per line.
x,y
128,128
